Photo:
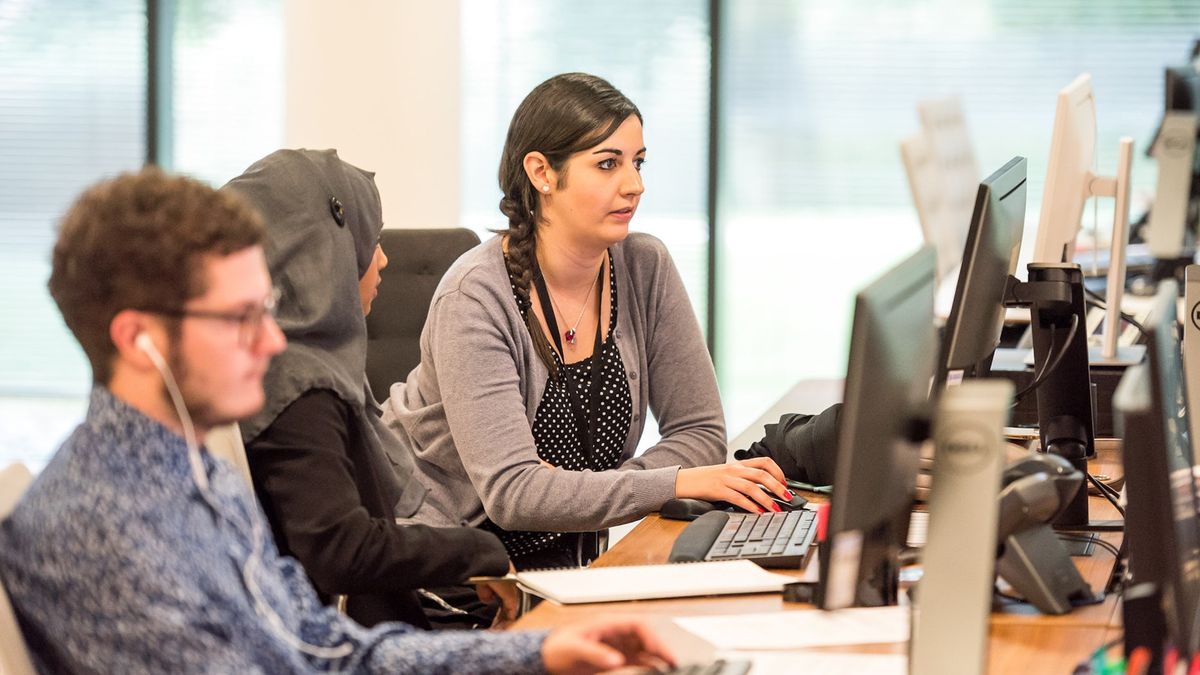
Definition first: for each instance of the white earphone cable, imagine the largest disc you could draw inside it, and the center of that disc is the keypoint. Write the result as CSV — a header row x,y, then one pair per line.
x,y
274,621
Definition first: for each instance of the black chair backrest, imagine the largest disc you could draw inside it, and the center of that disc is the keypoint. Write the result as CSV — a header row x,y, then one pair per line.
x,y
417,259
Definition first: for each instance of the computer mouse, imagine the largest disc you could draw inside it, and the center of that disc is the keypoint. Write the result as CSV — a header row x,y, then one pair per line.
x,y
796,502
691,509
685,509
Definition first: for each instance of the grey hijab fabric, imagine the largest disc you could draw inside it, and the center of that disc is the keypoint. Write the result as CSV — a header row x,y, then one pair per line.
x,y
323,220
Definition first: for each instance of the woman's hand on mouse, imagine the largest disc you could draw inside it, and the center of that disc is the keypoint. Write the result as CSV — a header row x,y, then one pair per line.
x,y
735,483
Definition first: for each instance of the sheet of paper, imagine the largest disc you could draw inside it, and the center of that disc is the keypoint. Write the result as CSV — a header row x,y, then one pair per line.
x,y
643,582
826,663
805,628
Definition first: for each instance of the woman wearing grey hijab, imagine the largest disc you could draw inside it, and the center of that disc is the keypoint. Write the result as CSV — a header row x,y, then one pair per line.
x,y
328,473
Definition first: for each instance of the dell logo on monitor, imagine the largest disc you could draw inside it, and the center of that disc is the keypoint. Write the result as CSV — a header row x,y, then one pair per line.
x,y
965,449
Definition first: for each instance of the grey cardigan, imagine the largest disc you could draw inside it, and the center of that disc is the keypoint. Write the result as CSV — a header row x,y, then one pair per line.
x,y
467,410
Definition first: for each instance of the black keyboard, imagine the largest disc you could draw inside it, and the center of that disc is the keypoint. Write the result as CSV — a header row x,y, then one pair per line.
x,y
718,667
769,539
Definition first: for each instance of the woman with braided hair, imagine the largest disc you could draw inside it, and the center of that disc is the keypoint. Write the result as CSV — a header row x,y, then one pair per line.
x,y
545,345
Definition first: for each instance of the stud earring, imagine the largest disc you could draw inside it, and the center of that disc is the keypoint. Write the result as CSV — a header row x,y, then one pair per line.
x,y
545,188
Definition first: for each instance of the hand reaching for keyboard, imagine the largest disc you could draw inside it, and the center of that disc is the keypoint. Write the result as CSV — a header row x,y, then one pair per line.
x,y
603,645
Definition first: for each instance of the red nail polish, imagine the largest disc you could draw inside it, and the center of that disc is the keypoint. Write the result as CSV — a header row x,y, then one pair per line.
x,y
787,494
775,507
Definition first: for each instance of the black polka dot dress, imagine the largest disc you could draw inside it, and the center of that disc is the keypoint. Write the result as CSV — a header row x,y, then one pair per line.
x,y
555,431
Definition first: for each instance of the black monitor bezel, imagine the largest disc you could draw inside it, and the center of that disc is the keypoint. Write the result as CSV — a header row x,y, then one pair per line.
x,y
1158,471
980,292
875,482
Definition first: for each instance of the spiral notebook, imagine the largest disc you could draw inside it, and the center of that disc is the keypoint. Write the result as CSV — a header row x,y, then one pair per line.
x,y
648,582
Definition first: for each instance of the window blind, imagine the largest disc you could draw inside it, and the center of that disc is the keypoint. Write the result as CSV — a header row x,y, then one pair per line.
x,y
816,97
72,109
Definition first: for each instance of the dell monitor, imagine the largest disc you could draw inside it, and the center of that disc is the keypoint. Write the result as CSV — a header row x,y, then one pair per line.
x,y
1182,93
942,174
1161,519
989,259
1171,227
1072,150
1070,182
892,350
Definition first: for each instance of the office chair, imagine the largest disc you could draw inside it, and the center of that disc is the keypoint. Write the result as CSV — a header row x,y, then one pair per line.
x,y
417,259
14,654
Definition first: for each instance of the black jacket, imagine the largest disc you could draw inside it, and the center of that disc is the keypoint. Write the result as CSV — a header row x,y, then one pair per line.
x,y
804,446
327,510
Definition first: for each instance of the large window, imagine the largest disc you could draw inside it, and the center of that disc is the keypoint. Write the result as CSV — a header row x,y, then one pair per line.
x,y
657,53
224,96
73,88
815,97
71,109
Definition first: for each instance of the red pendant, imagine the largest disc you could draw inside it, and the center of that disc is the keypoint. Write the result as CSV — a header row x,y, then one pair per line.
x,y
570,336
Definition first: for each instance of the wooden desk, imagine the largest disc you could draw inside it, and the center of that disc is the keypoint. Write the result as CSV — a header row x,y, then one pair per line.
x,y
1020,639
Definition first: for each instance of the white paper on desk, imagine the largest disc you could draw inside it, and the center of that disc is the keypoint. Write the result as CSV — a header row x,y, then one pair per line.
x,y
645,582
825,663
805,628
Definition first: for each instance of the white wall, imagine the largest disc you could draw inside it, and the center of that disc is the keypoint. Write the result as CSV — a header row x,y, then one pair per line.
x,y
379,81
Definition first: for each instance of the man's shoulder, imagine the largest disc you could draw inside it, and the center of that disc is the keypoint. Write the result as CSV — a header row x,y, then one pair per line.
x,y
88,490
66,477
68,516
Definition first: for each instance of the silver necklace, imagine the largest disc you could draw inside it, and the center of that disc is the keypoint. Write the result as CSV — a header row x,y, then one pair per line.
x,y
569,334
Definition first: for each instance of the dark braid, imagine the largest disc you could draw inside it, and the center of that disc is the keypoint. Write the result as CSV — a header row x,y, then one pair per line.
x,y
521,261
564,115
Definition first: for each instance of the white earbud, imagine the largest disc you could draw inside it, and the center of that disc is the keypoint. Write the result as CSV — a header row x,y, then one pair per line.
x,y
143,342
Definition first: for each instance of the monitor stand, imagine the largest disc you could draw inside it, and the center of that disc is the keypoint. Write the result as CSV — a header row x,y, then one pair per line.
x,y
1054,294
1125,356
1117,188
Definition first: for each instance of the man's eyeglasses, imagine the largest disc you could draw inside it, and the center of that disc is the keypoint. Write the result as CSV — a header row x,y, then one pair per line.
x,y
250,321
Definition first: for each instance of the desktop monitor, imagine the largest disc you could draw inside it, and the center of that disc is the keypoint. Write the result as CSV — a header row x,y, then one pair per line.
x,y
942,174
934,211
1072,149
1171,227
892,350
1161,518
1070,182
989,259
1182,93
